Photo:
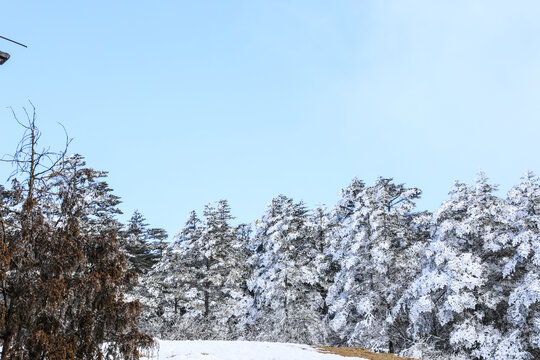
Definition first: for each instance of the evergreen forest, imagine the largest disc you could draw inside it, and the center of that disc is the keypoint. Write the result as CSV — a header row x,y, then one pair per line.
x,y
460,282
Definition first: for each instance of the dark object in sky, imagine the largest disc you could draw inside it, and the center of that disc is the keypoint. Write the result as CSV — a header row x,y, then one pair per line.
x,y
3,57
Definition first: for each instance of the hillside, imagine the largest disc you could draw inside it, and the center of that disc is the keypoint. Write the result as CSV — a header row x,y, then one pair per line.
x,y
247,350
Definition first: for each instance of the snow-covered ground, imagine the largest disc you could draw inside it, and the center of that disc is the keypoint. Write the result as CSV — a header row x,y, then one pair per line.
x,y
235,350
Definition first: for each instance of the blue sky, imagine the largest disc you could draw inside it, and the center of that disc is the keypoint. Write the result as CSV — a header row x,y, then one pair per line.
x,y
186,102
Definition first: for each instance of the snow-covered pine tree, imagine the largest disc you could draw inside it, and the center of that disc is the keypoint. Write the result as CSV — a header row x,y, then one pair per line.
x,y
211,247
241,298
347,204
223,272
206,267
320,230
141,245
97,204
167,290
288,305
457,301
243,233
522,269
376,247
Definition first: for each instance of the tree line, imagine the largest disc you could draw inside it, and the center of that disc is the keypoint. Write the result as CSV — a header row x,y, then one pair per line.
x,y
75,283
461,281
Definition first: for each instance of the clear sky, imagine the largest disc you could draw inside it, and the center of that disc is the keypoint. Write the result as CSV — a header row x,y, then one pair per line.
x,y
186,102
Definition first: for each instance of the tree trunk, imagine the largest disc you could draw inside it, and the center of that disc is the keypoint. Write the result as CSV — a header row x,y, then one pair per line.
x,y
206,304
5,347
207,290
285,301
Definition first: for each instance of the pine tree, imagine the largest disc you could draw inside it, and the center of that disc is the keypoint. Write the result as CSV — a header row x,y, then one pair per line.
x,y
320,230
223,272
376,249
522,267
168,287
213,244
97,204
141,245
288,305
62,280
200,280
460,295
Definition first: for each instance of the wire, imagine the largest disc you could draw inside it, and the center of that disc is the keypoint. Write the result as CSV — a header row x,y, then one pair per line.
x,y
18,43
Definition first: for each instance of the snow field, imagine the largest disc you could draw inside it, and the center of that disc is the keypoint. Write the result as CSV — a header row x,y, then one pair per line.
x,y
234,350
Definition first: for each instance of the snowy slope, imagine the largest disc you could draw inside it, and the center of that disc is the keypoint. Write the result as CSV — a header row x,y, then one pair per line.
x,y
235,350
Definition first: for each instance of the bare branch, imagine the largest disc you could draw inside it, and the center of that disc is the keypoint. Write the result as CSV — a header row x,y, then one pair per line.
x,y
35,165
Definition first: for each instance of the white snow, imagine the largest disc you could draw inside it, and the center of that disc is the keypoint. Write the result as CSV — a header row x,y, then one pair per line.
x,y
235,350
